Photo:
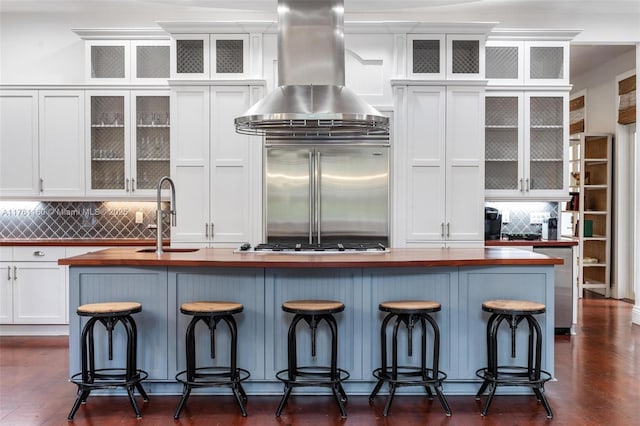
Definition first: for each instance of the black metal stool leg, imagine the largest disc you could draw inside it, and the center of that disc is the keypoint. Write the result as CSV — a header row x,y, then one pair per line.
x,y
186,391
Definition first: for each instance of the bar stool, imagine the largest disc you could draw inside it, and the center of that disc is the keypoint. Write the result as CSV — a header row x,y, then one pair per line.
x,y
410,312
313,312
211,313
514,312
109,315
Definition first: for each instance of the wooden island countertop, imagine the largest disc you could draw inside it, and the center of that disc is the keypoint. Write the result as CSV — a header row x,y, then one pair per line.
x,y
395,257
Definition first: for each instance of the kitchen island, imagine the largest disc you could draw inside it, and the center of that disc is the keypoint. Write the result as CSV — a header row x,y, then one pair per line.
x,y
460,279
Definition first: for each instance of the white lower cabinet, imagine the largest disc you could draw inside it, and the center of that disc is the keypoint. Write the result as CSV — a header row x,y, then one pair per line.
x,y
440,166
33,289
217,172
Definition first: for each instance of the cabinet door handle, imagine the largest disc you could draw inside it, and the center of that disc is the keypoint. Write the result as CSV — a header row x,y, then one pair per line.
x,y
41,185
448,225
133,185
211,230
206,230
126,184
38,253
521,186
527,186
15,273
9,273
442,229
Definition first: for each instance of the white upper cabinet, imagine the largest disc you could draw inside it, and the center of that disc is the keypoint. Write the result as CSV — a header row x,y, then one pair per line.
x,y
127,56
465,56
129,142
426,56
62,143
19,143
190,58
439,166
229,55
526,136
209,56
150,61
217,171
108,61
516,62
42,144
445,56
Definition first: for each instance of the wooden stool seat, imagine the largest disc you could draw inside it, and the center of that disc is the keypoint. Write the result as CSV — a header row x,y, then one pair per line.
x,y
203,308
410,306
313,307
122,308
513,307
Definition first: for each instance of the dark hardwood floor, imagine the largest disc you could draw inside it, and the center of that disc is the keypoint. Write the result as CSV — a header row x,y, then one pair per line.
x,y
598,373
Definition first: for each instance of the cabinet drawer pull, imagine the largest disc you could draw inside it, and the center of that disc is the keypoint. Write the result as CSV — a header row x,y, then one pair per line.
x,y
41,185
39,253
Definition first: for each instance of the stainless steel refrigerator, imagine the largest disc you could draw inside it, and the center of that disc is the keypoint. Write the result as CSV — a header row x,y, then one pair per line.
x,y
327,193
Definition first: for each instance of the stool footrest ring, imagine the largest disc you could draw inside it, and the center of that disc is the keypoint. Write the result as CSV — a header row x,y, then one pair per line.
x,y
109,378
312,376
213,376
410,376
513,376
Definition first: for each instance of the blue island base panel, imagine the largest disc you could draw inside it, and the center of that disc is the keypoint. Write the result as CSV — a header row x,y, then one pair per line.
x,y
263,325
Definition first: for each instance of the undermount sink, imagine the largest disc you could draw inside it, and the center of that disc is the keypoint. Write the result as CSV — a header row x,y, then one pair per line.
x,y
168,250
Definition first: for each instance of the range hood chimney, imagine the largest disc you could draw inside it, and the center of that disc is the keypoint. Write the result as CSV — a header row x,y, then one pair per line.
x,y
311,99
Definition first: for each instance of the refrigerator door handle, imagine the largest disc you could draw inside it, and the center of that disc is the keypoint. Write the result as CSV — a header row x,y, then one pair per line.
x,y
318,174
311,195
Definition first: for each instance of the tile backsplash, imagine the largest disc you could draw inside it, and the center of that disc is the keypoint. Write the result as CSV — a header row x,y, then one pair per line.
x,y
67,220
518,215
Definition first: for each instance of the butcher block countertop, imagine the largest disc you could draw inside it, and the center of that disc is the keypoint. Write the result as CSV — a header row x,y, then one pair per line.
x,y
399,257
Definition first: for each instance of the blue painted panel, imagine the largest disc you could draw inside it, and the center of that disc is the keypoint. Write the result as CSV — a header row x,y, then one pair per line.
x,y
479,284
437,284
245,286
327,284
147,286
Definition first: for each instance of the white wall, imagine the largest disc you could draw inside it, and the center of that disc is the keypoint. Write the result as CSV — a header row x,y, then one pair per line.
x,y
601,107
39,48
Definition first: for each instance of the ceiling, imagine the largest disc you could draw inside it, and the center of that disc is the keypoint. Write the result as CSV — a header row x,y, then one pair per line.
x,y
587,57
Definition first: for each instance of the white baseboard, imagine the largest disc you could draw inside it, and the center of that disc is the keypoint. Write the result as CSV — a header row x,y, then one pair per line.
x,y
635,315
34,330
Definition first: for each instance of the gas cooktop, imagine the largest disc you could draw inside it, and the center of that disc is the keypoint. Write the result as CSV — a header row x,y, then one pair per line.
x,y
307,248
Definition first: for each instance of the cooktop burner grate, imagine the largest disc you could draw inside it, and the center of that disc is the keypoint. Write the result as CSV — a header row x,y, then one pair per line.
x,y
324,247
524,236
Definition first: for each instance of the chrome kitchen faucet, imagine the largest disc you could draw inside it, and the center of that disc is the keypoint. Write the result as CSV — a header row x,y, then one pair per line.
x,y
160,213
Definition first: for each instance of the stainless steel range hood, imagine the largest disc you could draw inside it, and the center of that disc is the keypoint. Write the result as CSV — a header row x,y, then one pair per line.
x,y
311,99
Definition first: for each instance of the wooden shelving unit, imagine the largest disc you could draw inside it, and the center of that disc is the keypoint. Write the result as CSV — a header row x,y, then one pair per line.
x,y
590,207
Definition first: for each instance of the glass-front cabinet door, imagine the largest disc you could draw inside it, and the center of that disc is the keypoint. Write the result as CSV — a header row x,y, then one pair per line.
x,y
109,141
547,134
504,144
129,137
151,140
526,144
